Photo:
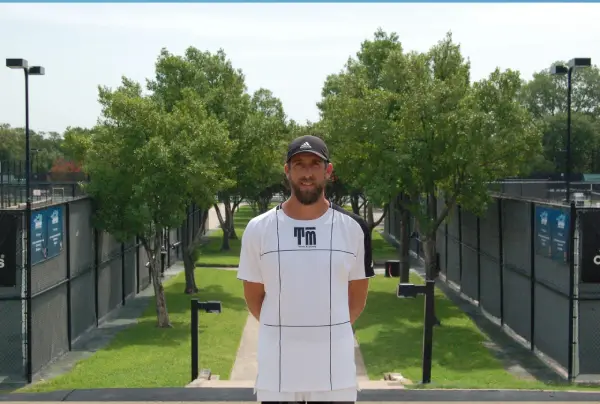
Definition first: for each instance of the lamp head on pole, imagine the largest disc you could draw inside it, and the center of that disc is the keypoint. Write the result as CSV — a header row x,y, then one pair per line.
x,y
17,63
37,71
558,70
580,62
24,65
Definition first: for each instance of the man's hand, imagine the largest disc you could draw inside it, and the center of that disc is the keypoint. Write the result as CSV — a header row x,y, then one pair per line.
x,y
357,297
254,294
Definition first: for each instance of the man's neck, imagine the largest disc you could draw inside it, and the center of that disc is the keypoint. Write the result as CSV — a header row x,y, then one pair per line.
x,y
296,210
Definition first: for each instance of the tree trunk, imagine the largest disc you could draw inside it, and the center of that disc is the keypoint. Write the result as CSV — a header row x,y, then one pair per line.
x,y
232,233
263,204
404,237
429,253
355,204
224,223
371,219
229,211
153,251
189,255
429,242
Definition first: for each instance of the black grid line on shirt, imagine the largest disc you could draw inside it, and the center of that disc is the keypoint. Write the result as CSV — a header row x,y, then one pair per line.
x,y
306,326
330,283
279,308
309,250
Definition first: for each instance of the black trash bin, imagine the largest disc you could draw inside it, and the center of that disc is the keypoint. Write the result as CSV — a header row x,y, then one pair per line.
x,y
392,269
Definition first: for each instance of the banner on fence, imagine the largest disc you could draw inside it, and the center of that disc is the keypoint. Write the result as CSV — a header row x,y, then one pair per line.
x,y
552,233
8,249
590,246
54,228
38,237
46,234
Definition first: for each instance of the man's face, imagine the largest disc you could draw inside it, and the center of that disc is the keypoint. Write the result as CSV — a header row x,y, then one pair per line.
x,y
308,175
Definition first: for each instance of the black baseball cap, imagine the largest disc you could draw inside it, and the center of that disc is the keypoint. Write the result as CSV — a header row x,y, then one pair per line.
x,y
308,144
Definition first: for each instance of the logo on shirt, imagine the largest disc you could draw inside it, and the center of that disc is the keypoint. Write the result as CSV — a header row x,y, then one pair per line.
x,y
306,236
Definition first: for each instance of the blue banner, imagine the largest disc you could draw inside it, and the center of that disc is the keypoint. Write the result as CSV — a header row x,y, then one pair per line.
x,y
560,236
38,236
54,228
552,233
543,232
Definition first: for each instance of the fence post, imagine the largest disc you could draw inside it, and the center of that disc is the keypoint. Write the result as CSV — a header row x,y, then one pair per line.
x,y
168,247
446,250
501,260
28,305
68,269
96,273
460,248
573,223
532,264
478,224
194,338
123,293
137,264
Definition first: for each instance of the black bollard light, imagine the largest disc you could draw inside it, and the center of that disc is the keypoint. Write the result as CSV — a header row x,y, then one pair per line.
x,y
208,307
410,290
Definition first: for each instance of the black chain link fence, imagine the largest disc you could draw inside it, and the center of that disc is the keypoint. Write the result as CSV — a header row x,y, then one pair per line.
x,y
81,279
501,262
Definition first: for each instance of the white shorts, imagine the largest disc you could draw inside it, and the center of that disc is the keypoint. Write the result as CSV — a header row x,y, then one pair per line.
x,y
334,395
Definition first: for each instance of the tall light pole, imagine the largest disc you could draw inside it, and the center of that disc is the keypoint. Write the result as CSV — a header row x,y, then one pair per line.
x,y
28,71
561,70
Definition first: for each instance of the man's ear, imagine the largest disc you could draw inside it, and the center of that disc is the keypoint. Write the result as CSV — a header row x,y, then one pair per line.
x,y
328,170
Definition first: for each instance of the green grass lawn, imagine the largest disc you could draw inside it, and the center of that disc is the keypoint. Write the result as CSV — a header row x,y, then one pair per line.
x,y
382,250
145,356
211,254
390,332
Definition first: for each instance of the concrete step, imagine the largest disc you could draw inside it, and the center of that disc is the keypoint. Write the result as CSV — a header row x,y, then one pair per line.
x,y
245,384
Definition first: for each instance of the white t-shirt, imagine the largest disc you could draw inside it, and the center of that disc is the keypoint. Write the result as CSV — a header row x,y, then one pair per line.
x,y
306,342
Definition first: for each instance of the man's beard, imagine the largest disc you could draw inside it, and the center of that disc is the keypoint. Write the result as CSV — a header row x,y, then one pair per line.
x,y
307,196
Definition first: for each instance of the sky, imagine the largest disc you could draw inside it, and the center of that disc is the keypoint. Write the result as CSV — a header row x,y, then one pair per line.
x,y
289,49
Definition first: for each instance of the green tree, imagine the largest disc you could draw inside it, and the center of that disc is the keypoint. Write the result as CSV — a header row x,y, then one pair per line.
x,y
545,96
259,155
145,163
345,114
585,139
431,134
454,138
76,142
222,89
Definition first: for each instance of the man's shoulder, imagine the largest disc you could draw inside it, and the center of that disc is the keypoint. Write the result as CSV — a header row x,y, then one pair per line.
x,y
351,219
261,221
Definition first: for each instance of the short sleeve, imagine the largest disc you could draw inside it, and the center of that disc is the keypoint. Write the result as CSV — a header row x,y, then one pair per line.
x,y
364,258
249,267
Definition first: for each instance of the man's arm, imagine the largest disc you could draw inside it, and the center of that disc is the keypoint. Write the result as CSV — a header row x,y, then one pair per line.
x,y
255,294
357,297
358,282
249,269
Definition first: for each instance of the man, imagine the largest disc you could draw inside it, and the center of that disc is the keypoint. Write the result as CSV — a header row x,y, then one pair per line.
x,y
305,266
